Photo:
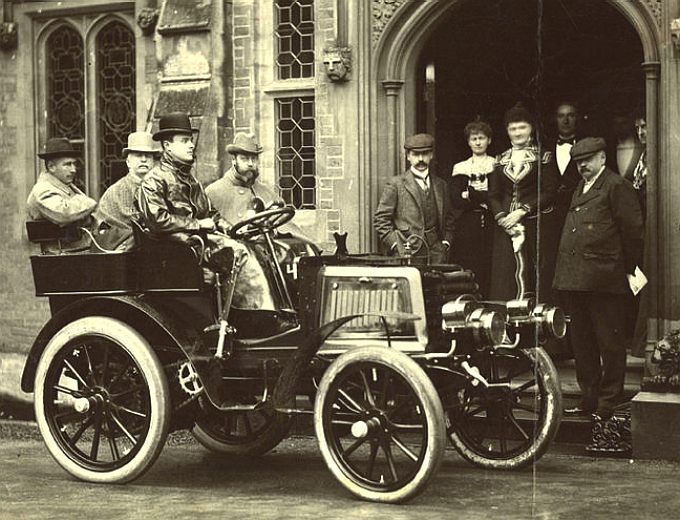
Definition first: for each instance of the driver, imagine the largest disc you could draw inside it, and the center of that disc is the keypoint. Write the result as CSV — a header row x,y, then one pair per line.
x,y
171,200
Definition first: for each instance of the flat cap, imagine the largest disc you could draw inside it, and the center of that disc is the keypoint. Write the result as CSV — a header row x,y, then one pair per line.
x,y
419,143
587,147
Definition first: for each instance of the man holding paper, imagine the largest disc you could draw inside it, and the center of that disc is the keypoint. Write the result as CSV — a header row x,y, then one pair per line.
x,y
600,248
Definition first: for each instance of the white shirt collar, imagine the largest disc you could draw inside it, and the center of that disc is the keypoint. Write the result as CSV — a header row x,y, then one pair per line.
x,y
421,175
588,183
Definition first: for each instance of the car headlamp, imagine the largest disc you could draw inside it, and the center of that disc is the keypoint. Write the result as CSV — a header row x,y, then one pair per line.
x,y
520,309
550,321
488,327
455,314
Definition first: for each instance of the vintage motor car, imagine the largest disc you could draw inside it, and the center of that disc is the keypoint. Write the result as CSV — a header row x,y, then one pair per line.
x,y
393,358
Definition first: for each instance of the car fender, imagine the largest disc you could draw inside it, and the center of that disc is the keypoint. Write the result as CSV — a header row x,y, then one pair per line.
x,y
156,325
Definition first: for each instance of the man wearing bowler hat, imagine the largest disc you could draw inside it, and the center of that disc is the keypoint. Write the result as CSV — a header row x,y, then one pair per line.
x,y
171,201
117,205
600,247
416,204
55,197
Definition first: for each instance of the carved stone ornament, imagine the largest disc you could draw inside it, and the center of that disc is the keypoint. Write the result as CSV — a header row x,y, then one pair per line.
x,y
654,7
8,36
666,357
147,20
338,62
383,10
611,437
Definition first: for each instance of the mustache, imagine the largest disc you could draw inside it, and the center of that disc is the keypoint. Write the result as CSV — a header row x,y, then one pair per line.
x,y
421,163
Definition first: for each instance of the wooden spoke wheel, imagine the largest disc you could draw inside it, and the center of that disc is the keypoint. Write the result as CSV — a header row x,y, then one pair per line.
x,y
511,426
380,424
101,400
246,433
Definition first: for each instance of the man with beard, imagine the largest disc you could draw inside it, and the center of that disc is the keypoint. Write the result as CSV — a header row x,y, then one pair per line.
x,y
117,205
238,195
601,246
416,204
233,194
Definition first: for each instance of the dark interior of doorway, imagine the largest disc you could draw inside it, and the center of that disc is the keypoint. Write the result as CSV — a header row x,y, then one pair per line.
x,y
485,58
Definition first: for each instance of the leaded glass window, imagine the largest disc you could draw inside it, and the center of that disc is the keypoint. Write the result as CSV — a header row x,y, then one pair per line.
x,y
87,91
295,38
65,85
295,151
115,49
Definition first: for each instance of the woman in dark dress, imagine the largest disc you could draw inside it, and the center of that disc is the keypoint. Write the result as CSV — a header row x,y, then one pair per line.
x,y
521,191
475,225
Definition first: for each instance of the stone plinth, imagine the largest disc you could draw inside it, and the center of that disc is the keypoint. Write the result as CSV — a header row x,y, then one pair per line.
x,y
656,426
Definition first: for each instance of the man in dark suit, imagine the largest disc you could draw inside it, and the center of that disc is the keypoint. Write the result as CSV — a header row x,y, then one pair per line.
x,y
566,119
416,203
600,247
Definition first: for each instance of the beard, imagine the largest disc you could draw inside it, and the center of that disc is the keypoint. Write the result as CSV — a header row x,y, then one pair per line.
x,y
248,175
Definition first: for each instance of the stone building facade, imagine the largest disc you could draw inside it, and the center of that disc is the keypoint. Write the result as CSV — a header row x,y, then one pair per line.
x,y
271,67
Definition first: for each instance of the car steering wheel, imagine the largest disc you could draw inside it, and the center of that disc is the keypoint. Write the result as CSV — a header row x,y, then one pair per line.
x,y
261,223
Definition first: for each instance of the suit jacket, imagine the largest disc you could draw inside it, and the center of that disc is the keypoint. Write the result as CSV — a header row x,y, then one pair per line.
x,y
602,237
567,183
115,212
400,213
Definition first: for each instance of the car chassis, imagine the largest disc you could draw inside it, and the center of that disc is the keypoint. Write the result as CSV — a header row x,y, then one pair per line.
x,y
391,356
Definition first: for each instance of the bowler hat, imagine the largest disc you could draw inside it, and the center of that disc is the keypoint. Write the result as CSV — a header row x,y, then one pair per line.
x,y
173,123
58,147
140,142
244,143
587,147
419,143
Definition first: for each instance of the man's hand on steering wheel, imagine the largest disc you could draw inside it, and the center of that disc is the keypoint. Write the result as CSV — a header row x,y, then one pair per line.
x,y
261,223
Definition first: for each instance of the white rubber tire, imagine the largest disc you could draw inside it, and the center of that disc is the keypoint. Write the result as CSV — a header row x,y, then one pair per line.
x,y
432,408
144,356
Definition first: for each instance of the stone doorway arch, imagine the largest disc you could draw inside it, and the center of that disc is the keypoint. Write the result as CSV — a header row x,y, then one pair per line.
x,y
400,29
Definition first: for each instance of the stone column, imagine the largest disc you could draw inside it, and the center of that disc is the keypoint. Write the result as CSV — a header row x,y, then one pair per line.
x,y
392,89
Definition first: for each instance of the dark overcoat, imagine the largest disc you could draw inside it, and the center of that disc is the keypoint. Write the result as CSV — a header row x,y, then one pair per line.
x,y
602,237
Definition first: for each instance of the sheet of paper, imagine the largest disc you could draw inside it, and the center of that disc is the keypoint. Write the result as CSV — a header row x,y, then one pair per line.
x,y
637,281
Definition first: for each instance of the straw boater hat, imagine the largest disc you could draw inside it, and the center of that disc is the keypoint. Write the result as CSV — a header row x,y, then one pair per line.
x,y
244,143
58,147
173,124
140,142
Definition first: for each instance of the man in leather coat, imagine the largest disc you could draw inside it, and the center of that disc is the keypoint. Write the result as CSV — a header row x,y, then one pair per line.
x,y
172,201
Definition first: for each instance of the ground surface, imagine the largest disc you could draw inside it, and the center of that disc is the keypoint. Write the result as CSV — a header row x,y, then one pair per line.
x,y
293,482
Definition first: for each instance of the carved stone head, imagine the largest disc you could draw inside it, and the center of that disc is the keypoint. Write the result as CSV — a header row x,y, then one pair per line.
x,y
338,62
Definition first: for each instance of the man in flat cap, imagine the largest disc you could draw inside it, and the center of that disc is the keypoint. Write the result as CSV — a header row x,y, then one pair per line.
x,y
416,204
117,205
55,197
600,247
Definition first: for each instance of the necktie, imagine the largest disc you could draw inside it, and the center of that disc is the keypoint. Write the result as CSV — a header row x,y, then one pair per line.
x,y
570,140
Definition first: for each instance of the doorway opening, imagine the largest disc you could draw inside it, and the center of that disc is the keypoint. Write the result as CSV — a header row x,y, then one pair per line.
x,y
485,57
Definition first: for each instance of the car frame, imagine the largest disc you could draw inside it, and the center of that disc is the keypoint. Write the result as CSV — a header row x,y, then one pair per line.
x,y
393,357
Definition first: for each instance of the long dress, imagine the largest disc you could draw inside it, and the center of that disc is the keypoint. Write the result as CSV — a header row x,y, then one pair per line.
x,y
473,236
519,182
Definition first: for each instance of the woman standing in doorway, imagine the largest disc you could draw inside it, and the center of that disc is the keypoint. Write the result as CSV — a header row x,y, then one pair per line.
x,y
522,188
475,225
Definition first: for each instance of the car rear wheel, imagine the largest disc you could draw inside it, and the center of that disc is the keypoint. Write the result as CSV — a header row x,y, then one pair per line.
x,y
101,400
380,424
242,433
512,425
